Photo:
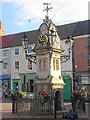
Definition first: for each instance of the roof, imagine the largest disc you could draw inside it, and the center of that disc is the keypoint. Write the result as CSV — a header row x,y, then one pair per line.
x,y
73,29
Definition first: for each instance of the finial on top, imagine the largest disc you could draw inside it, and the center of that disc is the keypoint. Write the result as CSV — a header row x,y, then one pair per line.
x,y
47,10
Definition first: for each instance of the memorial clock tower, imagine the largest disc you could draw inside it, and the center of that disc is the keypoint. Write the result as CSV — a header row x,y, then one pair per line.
x,y
48,67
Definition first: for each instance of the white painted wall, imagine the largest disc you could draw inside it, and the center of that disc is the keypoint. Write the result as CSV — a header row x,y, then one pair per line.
x,y
67,66
23,63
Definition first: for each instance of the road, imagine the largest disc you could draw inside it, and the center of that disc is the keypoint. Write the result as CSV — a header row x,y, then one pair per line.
x,y
6,111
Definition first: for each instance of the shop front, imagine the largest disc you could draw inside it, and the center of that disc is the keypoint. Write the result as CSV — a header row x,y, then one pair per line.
x,y
16,85
67,86
27,80
5,84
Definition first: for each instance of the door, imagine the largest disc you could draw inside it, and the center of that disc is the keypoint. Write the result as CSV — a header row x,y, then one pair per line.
x,y
67,89
15,86
58,100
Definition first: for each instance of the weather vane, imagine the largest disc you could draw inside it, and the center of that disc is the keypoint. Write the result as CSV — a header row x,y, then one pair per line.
x,y
47,8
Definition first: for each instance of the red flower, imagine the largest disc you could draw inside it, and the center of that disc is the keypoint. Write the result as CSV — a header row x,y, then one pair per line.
x,y
75,91
43,93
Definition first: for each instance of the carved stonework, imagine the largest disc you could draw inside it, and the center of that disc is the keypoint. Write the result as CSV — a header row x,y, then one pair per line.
x,y
48,49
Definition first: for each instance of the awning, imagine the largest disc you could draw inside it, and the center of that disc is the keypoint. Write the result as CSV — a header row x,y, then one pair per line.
x,y
5,78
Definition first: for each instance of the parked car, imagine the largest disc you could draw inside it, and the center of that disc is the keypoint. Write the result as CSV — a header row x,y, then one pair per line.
x,y
70,115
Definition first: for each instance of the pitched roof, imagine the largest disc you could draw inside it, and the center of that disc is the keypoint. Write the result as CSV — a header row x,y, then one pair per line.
x,y
16,39
73,29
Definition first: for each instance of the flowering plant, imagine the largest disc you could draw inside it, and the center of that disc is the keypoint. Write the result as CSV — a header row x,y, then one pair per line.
x,y
43,95
78,93
19,94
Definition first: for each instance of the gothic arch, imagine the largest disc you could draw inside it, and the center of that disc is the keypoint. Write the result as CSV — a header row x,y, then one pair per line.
x,y
58,100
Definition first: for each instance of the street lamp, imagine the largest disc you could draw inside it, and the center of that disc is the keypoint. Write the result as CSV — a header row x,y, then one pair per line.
x,y
25,43
65,58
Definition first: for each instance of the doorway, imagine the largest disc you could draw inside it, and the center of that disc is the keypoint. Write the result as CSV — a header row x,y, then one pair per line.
x,y
15,86
58,100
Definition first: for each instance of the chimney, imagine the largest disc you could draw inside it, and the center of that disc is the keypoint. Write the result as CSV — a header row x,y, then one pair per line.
x,y
2,32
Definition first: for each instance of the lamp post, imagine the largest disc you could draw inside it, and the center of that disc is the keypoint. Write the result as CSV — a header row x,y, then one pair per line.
x,y
70,40
25,43
64,58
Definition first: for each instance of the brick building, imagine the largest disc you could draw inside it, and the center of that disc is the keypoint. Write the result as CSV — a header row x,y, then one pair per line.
x,y
76,68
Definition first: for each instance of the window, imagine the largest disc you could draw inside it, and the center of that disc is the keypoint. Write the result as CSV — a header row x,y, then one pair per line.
x,y
17,65
31,85
16,51
39,64
55,64
30,64
5,65
43,64
4,53
89,42
88,59
30,49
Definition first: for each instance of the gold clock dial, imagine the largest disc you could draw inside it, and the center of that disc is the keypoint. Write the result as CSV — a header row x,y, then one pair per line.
x,y
42,39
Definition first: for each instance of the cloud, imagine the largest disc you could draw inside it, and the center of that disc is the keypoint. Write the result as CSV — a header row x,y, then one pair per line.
x,y
63,10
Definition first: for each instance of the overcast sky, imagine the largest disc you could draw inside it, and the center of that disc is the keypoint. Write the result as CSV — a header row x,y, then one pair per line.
x,y
25,15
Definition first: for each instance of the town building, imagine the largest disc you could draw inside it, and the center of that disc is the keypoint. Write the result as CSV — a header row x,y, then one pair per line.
x,y
21,73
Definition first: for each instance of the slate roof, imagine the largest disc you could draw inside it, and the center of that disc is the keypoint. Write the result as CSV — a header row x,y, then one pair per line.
x,y
73,29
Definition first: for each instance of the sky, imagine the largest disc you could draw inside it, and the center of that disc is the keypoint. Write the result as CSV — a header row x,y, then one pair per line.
x,y
26,15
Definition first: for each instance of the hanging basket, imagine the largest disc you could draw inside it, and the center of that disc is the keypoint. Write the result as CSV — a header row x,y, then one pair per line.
x,y
43,96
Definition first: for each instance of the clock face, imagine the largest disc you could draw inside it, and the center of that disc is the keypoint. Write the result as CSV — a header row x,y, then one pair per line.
x,y
42,39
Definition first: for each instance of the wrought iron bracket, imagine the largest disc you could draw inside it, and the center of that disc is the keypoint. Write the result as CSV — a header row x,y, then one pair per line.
x,y
31,57
64,58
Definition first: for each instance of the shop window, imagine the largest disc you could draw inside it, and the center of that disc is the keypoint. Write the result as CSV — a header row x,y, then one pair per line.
x,y
88,59
16,51
30,64
17,65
